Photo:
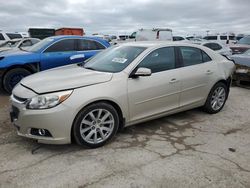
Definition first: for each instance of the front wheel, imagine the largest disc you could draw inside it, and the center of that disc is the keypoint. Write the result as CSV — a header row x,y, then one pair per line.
x,y
95,125
216,98
12,77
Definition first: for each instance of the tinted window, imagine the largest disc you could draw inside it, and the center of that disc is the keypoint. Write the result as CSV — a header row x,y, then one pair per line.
x,y
14,35
89,45
191,56
159,60
1,37
210,37
62,46
232,38
177,38
205,57
213,46
223,37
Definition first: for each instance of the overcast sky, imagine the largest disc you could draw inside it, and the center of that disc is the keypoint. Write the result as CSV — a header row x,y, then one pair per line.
x,y
125,16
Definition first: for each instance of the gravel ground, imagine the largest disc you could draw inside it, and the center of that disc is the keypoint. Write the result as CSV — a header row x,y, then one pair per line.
x,y
189,149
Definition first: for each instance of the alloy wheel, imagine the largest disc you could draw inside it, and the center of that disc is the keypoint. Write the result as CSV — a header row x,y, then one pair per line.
x,y
218,98
97,126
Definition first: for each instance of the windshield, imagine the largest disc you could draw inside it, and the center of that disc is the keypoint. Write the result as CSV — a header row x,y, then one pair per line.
x,y
244,40
114,59
36,47
10,44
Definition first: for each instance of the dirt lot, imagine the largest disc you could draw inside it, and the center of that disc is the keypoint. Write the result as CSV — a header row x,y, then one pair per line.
x,y
190,149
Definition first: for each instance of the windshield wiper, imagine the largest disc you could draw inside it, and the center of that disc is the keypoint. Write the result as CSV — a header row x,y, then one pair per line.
x,y
90,68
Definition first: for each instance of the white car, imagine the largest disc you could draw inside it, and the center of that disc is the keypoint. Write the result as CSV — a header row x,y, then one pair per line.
x,y
9,36
18,44
216,46
121,86
224,38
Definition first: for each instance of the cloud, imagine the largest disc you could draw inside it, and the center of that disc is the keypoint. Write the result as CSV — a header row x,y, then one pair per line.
x,y
119,16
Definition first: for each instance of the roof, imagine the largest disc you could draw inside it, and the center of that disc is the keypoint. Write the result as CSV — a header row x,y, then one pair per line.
x,y
158,43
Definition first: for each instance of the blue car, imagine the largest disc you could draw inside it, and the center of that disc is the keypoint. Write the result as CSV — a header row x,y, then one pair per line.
x,y
48,53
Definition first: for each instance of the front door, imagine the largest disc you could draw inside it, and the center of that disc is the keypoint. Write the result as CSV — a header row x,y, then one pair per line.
x,y
58,54
158,93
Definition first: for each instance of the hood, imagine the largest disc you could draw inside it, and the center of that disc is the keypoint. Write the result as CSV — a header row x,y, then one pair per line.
x,y
4,49
241,59
63,78
16,52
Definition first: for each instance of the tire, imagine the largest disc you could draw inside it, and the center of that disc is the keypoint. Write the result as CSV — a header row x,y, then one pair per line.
x,y
216,102
12,77
90,124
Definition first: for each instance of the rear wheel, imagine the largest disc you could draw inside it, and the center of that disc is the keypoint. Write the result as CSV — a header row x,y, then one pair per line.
x,y
216,98
12,77
95,125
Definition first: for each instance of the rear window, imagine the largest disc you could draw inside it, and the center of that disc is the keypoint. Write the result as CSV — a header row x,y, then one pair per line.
x,y
213,46
14,35
84,44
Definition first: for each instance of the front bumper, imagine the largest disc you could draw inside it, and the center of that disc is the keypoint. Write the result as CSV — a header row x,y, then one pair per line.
x,y
57,121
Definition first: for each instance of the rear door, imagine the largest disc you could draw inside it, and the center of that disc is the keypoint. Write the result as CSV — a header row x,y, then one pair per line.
x,y
196,75
158,93
58,54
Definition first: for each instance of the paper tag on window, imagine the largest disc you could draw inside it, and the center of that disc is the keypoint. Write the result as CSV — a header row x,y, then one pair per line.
x,y
119,60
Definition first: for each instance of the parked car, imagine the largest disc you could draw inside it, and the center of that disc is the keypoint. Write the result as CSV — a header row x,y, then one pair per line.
x,y
9,36
242,62
16,44
178,38
218,47
224,39
241,46
48,53
121,86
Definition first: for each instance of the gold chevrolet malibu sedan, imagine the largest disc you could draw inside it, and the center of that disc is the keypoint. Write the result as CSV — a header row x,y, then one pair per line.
x,y
121,86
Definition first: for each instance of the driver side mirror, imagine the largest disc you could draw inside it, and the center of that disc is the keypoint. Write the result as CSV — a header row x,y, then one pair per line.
x,y
141,72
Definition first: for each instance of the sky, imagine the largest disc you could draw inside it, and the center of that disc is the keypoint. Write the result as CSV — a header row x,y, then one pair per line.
x,y
184,17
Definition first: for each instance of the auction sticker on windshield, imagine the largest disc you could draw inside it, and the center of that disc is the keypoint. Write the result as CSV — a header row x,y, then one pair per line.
x,y
119,60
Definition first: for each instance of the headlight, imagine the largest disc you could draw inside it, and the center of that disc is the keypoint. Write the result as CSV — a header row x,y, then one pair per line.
x,y
48,100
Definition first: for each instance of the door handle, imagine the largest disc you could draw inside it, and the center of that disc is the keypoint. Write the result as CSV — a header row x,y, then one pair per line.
x,y
174,80
78,56
209,72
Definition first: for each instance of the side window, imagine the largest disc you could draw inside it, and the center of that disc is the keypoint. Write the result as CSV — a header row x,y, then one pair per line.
x,y
159,60
89,45
191,56
223,37
1,37
213,46
210,37
205,57
26,43
62,46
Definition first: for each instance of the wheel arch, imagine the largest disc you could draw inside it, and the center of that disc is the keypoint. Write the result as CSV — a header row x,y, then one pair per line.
x,y
108,101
